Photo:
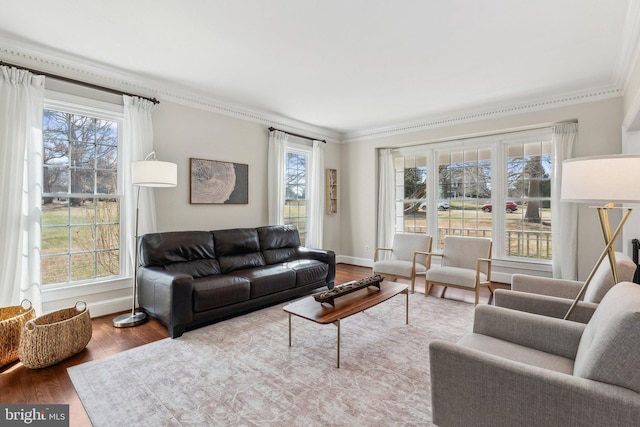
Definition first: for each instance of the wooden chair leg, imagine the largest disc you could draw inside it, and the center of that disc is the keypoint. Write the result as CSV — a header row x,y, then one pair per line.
x,y
444,289
477,294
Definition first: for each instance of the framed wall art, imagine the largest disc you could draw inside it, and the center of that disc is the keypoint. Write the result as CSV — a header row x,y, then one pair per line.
x,y
212,181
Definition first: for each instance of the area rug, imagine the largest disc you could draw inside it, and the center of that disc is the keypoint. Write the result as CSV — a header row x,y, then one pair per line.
x,y
242,372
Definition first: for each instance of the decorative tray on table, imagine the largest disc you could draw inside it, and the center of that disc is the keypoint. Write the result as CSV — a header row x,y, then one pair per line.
x,y
346,288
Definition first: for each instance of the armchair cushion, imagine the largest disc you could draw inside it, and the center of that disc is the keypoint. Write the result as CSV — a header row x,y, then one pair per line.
x,y
397,267
602,280
464,252
609,350
459,276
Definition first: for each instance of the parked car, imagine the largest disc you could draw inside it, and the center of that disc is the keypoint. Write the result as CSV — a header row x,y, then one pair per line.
x,y
442,206
511,207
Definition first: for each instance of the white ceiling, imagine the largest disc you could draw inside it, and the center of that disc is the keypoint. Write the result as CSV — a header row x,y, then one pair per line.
x,y
345,65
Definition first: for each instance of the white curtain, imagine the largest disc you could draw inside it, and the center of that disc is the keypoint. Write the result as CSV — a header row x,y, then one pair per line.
x,y
564,216
21,108
386,203
275,176
137,143
315,217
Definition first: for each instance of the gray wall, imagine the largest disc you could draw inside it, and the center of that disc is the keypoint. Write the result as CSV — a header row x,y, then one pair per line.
x,y
182,132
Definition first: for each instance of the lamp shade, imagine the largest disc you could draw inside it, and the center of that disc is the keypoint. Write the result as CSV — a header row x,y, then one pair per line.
x,y
154,173
601,179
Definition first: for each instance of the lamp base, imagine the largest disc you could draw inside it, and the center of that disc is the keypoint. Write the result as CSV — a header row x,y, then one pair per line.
x,y
128,320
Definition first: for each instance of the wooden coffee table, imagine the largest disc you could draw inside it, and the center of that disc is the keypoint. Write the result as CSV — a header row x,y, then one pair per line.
x,y
345,306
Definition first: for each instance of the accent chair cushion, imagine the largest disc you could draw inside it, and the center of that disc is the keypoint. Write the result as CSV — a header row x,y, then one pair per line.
x,y
464,252
398,268
455,275
404,245
609,350
602,280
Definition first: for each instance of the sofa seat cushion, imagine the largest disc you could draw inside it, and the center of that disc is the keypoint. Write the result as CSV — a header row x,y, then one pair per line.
x,y
217,291
268,279
309,271
455,276
517,353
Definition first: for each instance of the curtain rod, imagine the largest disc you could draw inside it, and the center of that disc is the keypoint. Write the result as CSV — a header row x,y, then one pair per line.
x,y
299,136
78,82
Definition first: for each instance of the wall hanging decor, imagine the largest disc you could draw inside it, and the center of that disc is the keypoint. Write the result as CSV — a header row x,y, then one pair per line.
x,y
213,181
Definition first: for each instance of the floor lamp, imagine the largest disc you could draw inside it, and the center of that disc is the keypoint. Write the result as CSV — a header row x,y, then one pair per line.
x,y
606,180
146,173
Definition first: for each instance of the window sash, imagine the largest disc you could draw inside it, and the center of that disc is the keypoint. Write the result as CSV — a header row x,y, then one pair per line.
x,y
71,104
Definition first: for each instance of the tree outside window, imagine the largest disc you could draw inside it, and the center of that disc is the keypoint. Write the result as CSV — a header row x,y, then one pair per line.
x,y
80,202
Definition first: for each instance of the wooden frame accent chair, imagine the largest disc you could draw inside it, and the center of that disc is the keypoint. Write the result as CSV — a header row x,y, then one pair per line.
x,y
466,264
408,258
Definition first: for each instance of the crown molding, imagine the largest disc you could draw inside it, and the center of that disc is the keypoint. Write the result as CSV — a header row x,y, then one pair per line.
x,y
62,64
486,112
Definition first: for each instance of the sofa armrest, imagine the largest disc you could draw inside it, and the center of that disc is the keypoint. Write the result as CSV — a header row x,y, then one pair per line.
x,y
469,387
556,336
544,305
545,286
167,296
323,255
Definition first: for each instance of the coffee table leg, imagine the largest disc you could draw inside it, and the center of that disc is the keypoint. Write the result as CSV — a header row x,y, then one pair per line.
x,y
337,323
406,292
289,329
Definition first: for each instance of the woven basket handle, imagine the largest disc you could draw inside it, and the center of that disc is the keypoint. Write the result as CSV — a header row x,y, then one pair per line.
x,y
25,301
30,326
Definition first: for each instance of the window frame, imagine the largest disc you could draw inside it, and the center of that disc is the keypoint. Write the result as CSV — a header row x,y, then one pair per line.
x,y
498,144
292,147
107,111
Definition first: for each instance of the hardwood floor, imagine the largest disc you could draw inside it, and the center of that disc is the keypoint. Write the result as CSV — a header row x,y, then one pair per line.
x,y
52,385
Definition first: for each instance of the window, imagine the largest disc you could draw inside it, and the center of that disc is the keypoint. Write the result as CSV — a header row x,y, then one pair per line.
x,y
296,189
455,188
80,199
528,184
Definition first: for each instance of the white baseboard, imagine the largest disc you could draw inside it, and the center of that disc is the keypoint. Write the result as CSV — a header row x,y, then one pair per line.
x,y
361,262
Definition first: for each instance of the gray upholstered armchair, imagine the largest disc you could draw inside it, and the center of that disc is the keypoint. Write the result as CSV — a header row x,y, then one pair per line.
x,y
553,297
523,369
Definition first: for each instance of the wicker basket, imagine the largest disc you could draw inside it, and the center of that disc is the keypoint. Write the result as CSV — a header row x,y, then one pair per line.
x,y
55,336
11,320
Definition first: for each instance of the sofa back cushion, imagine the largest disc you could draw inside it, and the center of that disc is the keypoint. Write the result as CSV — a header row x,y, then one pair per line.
x,y
279,243
609,350
602,280
189,252
237,249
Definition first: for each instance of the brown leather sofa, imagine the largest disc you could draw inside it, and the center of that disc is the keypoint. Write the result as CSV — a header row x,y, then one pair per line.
x,y
188,279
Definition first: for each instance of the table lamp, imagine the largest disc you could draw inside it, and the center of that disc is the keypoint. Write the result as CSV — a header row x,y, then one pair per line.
x,y
606,180
146,173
